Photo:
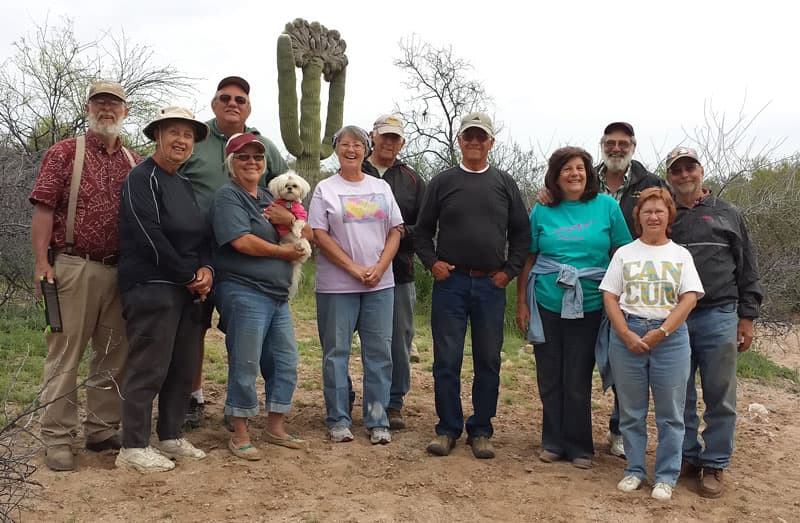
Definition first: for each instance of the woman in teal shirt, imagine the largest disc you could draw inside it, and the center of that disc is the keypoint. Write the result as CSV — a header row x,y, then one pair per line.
x,y
559,304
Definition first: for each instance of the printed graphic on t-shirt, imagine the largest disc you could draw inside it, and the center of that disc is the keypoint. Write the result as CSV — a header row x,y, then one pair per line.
x,y
572,233
362,208
651,284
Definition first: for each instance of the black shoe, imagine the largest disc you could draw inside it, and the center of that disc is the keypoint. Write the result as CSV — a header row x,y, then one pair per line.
x,y
112,443
195,413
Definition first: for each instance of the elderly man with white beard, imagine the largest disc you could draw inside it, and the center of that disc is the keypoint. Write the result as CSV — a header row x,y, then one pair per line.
x,y
75,245
624,179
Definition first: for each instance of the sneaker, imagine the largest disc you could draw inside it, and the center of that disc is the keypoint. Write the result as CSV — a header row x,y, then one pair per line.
x,y
59,458
380,435
413,356
616,446
180,448
340,434
662,492
630,483
145,460
481,447
195,413
711,482
441,445
396,421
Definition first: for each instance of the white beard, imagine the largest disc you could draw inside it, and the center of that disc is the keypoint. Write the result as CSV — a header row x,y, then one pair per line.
x,y
107,130
617,164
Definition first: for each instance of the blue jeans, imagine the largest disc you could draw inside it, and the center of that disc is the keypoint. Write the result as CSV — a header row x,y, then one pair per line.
x,y
405,295
564,366
338,316
712,336
259,335
664,370
455,300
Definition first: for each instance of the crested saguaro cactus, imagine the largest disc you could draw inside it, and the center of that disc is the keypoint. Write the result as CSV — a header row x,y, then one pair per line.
x,y
318,52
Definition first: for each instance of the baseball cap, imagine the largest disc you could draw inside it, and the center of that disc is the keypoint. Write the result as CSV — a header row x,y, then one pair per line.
x,y
681,152
239,140
106,87
622,126
479,120
234,80
389,123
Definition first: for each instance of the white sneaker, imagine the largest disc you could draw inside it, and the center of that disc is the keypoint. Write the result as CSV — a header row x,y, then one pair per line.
x,y
144,460
662,492
617,447
380,435
629,484
340,434
180,448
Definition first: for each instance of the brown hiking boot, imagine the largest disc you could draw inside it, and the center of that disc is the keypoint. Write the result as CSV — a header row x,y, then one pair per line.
x,y
481,447
711,482
396,421
689,469
59,458
441,445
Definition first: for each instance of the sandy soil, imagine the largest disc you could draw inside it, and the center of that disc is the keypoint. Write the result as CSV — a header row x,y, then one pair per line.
x,y
400,482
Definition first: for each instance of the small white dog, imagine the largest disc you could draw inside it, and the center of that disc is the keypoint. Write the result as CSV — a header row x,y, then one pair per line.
x,y
289,189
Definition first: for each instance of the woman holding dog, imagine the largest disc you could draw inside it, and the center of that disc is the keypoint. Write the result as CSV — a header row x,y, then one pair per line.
x,y
357,226
253,275
559,304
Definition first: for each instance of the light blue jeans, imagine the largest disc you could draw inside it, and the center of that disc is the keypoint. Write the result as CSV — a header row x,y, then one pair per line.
x,y
338,316
258,335
405,294
664,370
712,336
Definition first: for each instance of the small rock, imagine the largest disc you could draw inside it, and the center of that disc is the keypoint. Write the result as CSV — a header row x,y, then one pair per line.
x,y
758,408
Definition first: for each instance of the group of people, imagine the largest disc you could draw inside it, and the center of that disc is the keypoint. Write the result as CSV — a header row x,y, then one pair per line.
x,y
650,282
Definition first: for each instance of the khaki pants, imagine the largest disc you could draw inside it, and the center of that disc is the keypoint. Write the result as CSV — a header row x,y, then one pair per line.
x,y
91,309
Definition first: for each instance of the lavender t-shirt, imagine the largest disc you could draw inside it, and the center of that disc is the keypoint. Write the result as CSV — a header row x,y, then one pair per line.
x,y
358,217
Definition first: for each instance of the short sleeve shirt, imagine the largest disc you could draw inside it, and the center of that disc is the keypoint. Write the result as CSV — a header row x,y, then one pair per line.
x,y
97,211
358,217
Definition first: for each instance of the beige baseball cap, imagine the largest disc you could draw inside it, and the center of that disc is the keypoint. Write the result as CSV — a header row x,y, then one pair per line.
x,y
681,152
389,123
479,120
106,87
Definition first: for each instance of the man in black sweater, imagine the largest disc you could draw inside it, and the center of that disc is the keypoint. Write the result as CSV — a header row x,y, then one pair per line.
x,y
480,216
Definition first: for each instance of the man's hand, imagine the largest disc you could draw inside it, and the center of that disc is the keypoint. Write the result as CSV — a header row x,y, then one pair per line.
x,y
202,283
744,334
501,279
39,270
544,197
441,270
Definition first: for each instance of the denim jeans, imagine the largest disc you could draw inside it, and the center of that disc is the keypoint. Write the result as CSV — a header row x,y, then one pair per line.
x,y
405,295
338,316
455,300
259,335
564,366
613,420
712,336
664,370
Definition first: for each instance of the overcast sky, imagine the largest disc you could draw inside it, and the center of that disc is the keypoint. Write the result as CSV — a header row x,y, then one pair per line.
x,y
558,71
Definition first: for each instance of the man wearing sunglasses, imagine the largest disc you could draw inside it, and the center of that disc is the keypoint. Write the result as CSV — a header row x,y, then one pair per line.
x,y
722,322
231,106
480,216
622,178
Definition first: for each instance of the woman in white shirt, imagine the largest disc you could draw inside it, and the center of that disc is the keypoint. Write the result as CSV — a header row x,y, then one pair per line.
x,y
648,291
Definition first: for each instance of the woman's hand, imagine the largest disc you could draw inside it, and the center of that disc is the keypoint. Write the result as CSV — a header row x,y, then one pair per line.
x,y
523,317
278,215
289,253
634,342
373,275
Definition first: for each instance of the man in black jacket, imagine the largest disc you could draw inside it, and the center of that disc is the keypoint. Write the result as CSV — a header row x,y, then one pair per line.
x,y
622,178
408,188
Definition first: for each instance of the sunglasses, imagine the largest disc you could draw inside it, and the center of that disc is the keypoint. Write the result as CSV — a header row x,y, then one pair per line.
x,y
245,157
226,98
622,144
478,136
678,169
112,102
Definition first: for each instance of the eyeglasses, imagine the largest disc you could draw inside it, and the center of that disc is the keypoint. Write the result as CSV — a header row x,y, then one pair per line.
x,y
678,169
245,157
477,136
111,102
622,144
226,98
358,146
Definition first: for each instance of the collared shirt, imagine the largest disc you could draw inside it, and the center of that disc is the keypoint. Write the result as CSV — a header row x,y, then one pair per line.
x,y
97,213
617,195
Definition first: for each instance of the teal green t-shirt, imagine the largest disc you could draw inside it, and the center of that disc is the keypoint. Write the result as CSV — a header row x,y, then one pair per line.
x,y
580,234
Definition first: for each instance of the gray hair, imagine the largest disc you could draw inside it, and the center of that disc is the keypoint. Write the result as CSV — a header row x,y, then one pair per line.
x,y
356,132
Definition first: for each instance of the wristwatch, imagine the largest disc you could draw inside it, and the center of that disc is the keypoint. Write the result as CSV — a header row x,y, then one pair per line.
x,y
665,331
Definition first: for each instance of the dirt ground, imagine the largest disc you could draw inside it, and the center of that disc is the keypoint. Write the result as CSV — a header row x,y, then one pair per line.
x,y
400,482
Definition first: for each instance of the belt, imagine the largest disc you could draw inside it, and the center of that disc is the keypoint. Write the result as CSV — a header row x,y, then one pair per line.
x,y
478,273
110,260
